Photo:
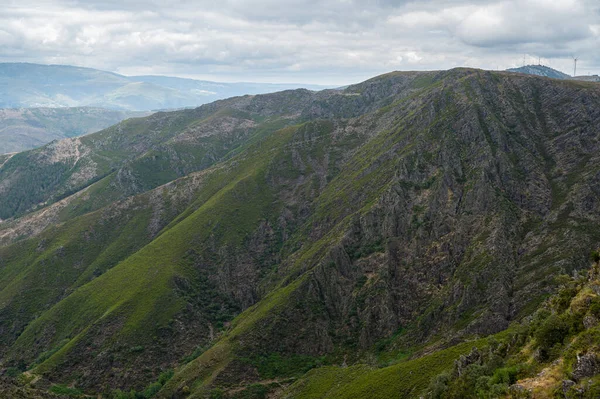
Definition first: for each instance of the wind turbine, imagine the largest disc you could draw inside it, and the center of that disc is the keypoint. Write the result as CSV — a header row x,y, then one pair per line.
x,y
575,66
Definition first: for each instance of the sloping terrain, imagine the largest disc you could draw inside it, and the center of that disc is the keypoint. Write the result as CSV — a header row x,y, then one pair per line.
x,y
546,71
248,241
540,70
27,128
24,85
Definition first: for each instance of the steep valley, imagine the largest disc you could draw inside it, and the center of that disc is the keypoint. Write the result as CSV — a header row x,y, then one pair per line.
x,y
333,244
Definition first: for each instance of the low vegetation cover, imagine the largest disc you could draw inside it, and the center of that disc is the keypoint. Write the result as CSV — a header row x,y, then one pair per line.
x,y
418,234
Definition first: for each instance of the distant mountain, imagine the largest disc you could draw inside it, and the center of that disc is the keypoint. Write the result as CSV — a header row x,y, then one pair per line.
x,y
25,128
540,70
24,85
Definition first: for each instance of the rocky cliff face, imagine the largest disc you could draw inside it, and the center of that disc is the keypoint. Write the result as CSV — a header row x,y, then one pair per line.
x,y
412,208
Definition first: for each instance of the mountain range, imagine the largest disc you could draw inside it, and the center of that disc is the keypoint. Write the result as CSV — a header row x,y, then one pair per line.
x,y
25,128
419,234
24,85
540,70
546,71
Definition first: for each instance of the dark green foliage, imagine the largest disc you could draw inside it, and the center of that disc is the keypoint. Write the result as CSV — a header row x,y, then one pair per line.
x,y
216,393
46,355
439,385
136,349
149,392
595,307
551,332
506,375
64,390
255,391
197,352
564,297
484,379
41,183
254,246
13,372
360,251
275,365
165,376
555,331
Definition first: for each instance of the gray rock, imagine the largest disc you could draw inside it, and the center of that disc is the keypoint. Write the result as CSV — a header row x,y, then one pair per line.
x,y
587,365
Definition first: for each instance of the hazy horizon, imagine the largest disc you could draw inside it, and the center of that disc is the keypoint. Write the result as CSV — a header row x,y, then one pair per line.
x,y
307,41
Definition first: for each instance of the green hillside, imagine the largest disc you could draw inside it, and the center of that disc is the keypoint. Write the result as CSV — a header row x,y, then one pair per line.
x,y
24,129
335,244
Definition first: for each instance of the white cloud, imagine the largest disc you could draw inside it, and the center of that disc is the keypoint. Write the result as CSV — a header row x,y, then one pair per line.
x,y
336,41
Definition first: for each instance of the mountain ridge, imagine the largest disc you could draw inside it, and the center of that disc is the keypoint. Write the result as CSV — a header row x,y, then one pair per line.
x,y
259,237
26,128
37,85
541,70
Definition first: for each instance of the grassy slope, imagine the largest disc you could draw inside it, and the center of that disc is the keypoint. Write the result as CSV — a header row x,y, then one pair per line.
x,y
359,174
140,287
34,181
29,128
405,379
140,290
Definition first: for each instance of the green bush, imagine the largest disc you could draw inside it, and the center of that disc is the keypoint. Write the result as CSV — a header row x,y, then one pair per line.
x,y
216,393
13,372
551,332
506,375
595,256
275,365
165,377
65,390
439,385
194,355
150,391
564,297
595,307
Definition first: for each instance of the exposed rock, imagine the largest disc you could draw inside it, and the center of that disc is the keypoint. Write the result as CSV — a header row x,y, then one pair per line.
x,y
474,357
587,365
590,321
567,385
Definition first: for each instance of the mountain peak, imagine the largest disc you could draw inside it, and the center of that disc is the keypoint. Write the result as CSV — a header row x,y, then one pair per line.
x,y
540,70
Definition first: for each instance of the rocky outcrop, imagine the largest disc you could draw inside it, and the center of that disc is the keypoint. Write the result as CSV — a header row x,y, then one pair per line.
x,y
587,365
440,203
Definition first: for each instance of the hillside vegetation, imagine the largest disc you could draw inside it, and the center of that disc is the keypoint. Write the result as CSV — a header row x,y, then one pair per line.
x,y
334,244
24,129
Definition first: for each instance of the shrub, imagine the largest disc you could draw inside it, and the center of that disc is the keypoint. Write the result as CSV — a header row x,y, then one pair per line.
x,y
564,297
165,377
65,390
595,307
13,372
595,256
506,375
551,332
255,391
151,390
216,394
439,385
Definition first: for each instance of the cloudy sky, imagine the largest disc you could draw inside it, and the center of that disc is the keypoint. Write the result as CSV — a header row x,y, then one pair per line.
x,y
308,41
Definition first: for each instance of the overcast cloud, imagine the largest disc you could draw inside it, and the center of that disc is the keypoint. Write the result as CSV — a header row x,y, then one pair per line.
x,y
309,41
